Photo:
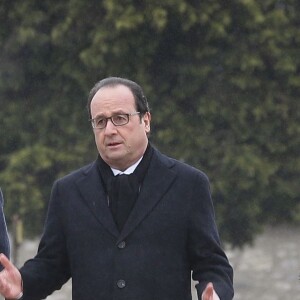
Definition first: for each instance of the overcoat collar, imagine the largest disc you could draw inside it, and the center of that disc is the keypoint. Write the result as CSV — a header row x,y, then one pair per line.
x,y
157,181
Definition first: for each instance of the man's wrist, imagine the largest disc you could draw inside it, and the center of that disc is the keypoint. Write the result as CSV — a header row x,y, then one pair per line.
x,y
19,297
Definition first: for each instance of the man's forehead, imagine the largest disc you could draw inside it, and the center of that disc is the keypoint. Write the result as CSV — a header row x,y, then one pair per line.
x,y
115,88
114,93
113,100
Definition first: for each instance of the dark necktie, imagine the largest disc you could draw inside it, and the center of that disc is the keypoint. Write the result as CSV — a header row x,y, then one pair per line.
x,y
123,191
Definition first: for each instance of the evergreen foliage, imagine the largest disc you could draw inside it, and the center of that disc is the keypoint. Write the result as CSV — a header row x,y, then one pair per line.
x,y
222,79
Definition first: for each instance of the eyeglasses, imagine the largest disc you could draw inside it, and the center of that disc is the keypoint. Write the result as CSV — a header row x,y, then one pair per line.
x,y
117,120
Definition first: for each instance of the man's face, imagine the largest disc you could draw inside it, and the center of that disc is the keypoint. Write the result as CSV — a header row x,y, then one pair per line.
x,y
119,146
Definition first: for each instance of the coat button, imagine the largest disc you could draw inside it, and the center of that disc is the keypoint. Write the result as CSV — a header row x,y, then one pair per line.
x,y
121,283
122,245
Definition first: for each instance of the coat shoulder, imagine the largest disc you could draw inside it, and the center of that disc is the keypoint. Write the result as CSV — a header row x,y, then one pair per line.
x,y
181,167
78,173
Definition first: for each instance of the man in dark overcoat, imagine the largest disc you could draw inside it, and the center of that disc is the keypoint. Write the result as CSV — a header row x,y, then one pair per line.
x,y
133,225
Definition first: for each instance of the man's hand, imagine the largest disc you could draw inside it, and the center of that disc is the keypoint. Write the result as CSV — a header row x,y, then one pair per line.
x,y
10,279
209,293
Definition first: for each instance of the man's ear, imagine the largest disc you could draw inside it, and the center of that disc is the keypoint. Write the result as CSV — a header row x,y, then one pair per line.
x,y
147,121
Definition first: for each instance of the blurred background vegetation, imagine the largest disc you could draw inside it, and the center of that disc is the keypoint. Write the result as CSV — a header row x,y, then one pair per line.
x,y
222,79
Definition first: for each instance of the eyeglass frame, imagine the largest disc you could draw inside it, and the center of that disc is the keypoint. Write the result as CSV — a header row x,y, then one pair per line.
x,y
111,119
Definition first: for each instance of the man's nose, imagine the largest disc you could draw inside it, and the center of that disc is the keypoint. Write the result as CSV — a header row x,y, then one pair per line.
x,y
110,127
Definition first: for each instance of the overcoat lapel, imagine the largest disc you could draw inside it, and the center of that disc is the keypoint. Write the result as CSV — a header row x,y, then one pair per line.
x,y
92,191
157,181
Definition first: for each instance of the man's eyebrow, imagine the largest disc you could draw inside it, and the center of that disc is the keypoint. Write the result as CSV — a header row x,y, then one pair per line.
x,y
116,112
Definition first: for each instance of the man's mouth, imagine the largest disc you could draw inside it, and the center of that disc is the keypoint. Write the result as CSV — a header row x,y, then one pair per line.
x,y
113,144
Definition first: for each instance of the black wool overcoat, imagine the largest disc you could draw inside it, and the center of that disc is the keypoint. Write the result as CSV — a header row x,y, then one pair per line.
x,y
169,235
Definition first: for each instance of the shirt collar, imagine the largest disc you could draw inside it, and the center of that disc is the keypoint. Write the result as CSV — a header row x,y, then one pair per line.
x,y
129,170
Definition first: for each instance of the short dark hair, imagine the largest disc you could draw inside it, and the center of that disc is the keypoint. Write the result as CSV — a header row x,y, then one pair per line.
x,y
138,94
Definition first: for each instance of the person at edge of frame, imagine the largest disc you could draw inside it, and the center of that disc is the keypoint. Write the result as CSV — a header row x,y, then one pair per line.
x,y
4,240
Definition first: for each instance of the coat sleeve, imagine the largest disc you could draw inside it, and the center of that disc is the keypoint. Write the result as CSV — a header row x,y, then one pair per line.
x,y
208,261
49,269
4,241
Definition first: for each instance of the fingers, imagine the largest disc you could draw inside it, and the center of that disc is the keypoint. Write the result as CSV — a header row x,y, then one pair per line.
x,y
210,286
208,292
5,262
10,279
